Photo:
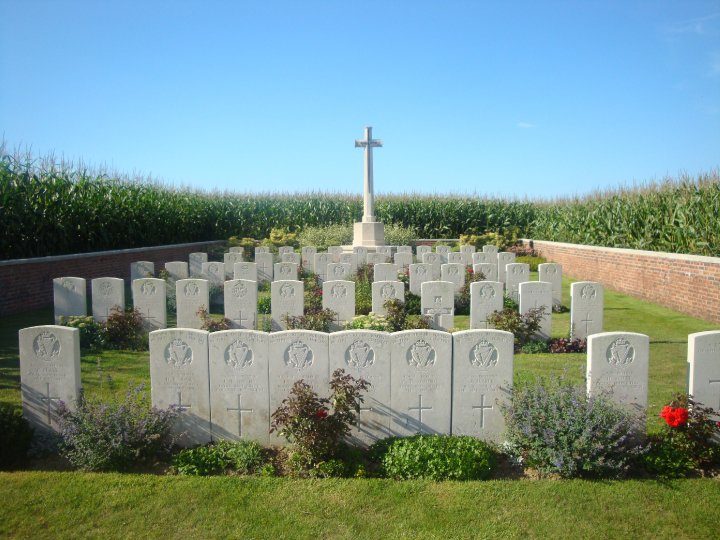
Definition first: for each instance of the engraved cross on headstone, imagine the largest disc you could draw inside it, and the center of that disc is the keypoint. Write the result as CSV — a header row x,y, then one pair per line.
x,y
179,405
482,408
420,408
587,320
48,399
240,412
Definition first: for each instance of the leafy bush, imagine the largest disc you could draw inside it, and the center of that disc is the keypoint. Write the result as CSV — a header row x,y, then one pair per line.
x,y
323,236
124,330
92,334
244,457
15,436
369,322
280,237
399,319
524,326
509,303
555,428
319,320
313,292
435,457
567,345
211,324
687,441
397,235
533,262
462,300
363,290
315,426
114,436
535,347
264,304
503,240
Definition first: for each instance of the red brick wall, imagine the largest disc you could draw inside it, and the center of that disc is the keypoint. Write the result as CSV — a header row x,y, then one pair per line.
x,y
26,284
687,283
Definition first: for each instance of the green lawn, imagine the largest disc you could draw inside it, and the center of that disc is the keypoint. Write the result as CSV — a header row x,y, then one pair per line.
x,y
60,504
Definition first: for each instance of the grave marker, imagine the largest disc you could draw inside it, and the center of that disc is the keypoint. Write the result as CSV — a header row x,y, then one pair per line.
x,y
503,259
108,295
704,369
285,271
587,300
489,270
245,270
467,252
283,250
403,260
291,258
307,254
191,295
376,258
422,250
241,298
443,252
456,257
264,267
382,291
339,271
537,294
334,252
490,249
149,298
419,274
437,302
385,272
69,297
339,296
286,300
486,297
320,263
361,252
230,259
177,270
196,261
237,249
351,259
552,273
454,273
404,249
141,269
515,274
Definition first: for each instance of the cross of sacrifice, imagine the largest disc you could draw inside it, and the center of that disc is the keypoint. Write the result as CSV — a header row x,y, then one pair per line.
x,y
368,143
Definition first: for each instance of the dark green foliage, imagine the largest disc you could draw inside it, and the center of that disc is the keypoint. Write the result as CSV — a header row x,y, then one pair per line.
x,y
264,304
554,427
319,320
124,330
524,326
535,347
435,457
243,457
92,334
15,436
398,317
462,300
212,324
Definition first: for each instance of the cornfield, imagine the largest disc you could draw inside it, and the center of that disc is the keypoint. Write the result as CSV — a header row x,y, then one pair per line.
x,y
48,208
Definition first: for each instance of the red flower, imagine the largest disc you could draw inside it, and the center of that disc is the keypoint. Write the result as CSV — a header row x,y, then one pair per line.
x,y
321,413
674,416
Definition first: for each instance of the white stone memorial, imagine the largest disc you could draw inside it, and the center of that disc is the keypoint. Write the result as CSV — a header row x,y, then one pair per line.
x,y
385,272
366,354
376,258
320,262
239,385
454,273
245,270
334,252
177,270
264,267
421,374
437,302
361,253
587,304
491,249
141,269
262,249
214,272
383,291
229,260
482,382
196,261
617,366
339,271
456,257
385,250
515,274
307,254
403,260
537,294
237,249
404,249
282,250
704,369
351,259
486,297
482,257
443,252
467,252
150,299
422,250
291,258
285,271
419,274
369,232
69,297
552,273
503,259
488,270
191,295
241,298
286,300
179,378
339,296
49,373
108,295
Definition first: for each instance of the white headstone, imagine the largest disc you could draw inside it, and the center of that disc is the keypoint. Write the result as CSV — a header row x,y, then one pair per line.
x,y
443,252
419,274
291,258
456,257
285,271
177,270
482,382
149,298
421,374
339,296
437,302
421,250
334,252
108,295
361,252
196,260
191,295
351,259
229,261
262,249
552,273
239,385
515,274
282,250
488,270
264,266
432,258
237,249
455,273
385,250
296,355
49,373
320,262
307,253
214,272
486,297
69,297
142,269
618,366
704,372
366,354
404,249
482,257
382,291
339,270
245,270
403,260
385,272
503,259
241,298
537,294
467,252
286,300
179,378
376,258
587,303
490,249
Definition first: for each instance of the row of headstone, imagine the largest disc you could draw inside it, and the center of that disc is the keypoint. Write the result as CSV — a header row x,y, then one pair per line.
x,y
417,376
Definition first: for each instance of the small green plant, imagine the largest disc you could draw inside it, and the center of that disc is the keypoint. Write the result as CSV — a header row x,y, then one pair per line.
x,y
462,300
554,427
315,426
212,324
535,347
124,330
92,333
319,320
280,237
264,304
15,436
368,322
105,436
524,326
435,457
241,457
399,319
533,262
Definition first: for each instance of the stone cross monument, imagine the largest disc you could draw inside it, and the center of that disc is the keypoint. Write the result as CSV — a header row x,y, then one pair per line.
x,y
368,232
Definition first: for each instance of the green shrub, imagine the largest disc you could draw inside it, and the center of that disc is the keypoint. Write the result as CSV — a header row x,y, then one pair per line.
x,y
399,319
243,457
523,327
92,334
535,347
212,324
435,457
323,236
397,235
363,291
99,436
462,299
368,322
533,262
264,304
280,237
15,436
319,320
554,427
124,330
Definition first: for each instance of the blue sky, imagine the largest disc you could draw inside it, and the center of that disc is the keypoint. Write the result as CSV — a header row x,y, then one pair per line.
x,y
506,98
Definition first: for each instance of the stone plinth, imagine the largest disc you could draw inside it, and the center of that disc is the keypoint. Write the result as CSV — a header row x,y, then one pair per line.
x,y
369,234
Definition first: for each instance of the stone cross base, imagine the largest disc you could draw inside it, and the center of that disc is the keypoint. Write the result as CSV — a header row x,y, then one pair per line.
x,y
369,234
